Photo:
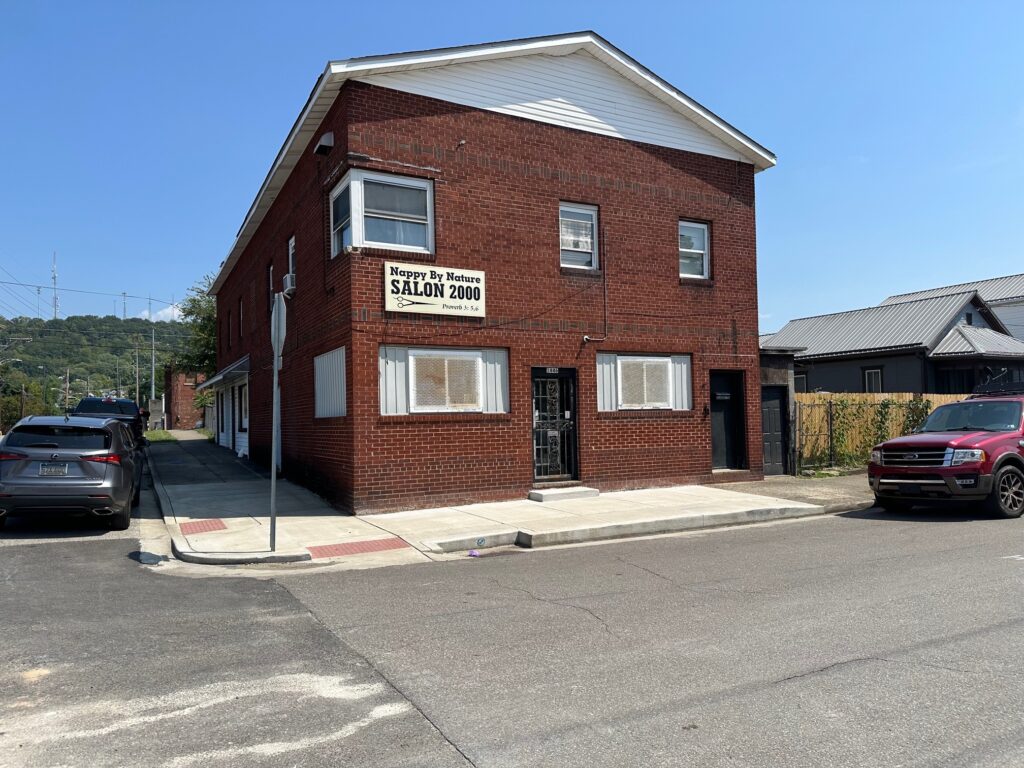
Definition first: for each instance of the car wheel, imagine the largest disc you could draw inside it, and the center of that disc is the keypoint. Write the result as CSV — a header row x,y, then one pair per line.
x,y
1007,497
892,506
121,519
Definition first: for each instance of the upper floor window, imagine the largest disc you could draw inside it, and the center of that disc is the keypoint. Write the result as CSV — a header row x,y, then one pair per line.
x,y
577,227
241,322
291,255
382,210
270,289
694,250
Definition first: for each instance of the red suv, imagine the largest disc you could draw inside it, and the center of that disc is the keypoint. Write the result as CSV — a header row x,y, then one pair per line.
x,y
972,450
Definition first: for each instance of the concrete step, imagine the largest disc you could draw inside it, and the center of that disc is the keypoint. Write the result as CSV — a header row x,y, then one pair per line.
x,y
561,494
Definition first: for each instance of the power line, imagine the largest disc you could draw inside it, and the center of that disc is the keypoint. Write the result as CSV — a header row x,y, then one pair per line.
x,y
93,293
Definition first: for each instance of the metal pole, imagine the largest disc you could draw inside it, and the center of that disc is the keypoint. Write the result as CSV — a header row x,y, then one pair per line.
x,y
831,436
138,397
276,448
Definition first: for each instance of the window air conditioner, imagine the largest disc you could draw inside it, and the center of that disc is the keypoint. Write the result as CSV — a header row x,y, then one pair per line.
x,y
288,284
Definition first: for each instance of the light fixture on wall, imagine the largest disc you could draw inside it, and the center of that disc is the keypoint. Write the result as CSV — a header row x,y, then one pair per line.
x,y
325,145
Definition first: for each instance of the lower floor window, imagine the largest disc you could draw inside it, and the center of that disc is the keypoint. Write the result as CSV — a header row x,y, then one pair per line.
x,y
632,382
437,380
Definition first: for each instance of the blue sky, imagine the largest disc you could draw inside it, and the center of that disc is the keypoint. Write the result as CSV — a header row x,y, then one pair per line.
x,y
134,136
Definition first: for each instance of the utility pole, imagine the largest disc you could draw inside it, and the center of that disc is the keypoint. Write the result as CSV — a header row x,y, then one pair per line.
x,y
118,377
67,391
23,401
39,293
152,364
124,305
137,400
53,276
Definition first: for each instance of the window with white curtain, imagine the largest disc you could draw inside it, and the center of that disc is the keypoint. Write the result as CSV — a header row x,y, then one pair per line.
x,y
382,210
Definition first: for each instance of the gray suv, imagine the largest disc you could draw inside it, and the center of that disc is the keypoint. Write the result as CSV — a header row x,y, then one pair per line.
x,y
70,464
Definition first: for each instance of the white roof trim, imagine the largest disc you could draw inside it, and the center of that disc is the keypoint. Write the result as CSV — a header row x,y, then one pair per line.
x,y
337,72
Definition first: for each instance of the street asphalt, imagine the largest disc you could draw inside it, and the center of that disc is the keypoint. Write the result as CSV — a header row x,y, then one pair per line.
x,y
861,639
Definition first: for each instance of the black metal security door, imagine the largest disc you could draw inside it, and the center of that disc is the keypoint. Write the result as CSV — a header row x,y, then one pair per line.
x,y
554,424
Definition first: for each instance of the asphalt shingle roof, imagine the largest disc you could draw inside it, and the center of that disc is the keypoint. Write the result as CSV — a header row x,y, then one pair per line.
x,y
993,290
966,340
891,326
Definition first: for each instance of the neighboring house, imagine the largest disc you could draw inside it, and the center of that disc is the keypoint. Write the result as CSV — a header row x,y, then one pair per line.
x,y
512,264
179,412
1005,295
778,406
947,343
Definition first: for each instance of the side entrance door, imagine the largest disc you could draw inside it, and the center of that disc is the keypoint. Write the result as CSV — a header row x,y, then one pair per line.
x,y
554,424
728,424
775,427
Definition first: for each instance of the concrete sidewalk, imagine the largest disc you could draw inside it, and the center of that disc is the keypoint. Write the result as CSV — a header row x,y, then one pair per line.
x,y
217,511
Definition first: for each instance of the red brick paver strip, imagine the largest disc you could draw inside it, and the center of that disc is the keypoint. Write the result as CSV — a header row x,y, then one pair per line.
x,y
203,526
357,547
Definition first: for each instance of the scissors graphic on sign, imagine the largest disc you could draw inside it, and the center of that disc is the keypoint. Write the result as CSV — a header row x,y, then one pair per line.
x,y
402,303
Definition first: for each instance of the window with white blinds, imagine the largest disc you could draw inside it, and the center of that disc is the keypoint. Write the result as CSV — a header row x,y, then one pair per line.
x,y
329,381
577,225
382,210
633,382
418,380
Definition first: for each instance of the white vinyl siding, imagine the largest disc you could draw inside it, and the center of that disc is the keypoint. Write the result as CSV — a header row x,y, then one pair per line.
x,y
577,233
694,250
637,382
329,383
415,380
575,91
382,210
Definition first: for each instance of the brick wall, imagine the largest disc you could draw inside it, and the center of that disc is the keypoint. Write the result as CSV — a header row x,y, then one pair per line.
x,y
179,389
498,181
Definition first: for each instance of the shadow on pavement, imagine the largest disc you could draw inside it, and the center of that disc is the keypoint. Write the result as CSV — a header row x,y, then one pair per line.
x,y
947,514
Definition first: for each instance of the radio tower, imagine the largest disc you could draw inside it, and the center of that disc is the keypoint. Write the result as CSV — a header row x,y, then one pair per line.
x,y
53,275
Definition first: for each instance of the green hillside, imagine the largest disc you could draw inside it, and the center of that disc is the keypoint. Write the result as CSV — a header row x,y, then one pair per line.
x,y
99,351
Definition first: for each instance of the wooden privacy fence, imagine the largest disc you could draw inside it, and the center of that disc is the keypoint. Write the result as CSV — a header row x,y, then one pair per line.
x,y
835,429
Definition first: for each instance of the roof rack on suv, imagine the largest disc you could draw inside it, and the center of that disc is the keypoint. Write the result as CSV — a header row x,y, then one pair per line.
x,y
998,389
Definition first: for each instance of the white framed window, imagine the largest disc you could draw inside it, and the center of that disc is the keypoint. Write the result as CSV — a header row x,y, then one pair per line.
x,y
270,289
872,379
443,380
291,255
243,407
329,398
577,230
694,250
382,210
644,382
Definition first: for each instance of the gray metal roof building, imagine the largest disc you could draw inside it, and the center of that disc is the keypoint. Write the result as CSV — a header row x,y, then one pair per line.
x,y
993,291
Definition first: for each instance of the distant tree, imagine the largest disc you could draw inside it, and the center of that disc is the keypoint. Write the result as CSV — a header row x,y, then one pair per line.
x,y
199,315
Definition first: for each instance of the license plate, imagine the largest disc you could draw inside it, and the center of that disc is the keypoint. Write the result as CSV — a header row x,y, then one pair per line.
x,y
53,470
909,489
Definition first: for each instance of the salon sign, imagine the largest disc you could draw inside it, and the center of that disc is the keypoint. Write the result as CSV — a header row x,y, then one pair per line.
x,y
432,290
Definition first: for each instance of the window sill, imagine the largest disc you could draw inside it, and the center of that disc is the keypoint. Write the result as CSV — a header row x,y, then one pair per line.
x,y
697,282
580,271
645,413
442,418
377,251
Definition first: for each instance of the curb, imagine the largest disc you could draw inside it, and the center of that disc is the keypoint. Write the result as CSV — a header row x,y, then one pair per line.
x,y
181,549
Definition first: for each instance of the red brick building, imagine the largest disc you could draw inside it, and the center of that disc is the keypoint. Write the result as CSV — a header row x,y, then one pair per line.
x,y
514,264
179,391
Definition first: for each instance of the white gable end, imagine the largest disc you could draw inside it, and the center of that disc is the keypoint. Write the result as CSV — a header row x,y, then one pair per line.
x,y
573,91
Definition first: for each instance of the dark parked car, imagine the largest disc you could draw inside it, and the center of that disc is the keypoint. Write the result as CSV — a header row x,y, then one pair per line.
x,y
972,450
66,464
120,408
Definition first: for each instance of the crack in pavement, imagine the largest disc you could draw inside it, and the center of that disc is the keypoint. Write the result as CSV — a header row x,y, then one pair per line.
x,y
564,603
882,659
